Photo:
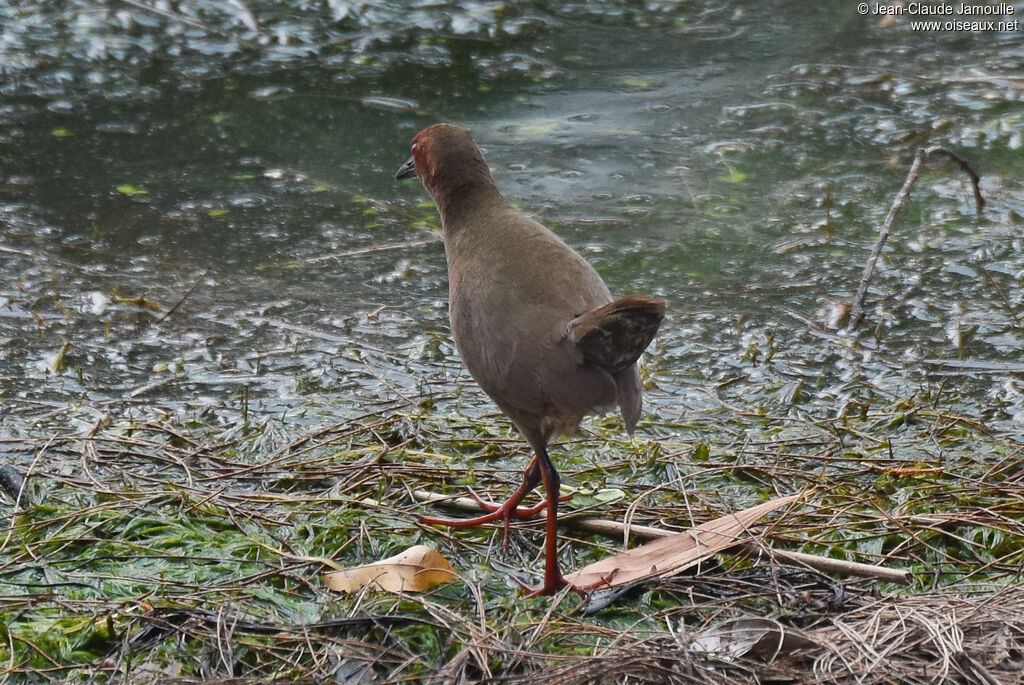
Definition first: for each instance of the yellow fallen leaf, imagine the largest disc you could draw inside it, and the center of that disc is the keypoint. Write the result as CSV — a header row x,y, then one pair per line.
x,y
668,556
417,569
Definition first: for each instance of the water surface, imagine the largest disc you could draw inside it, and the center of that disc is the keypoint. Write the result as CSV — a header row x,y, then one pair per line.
x,y
686,150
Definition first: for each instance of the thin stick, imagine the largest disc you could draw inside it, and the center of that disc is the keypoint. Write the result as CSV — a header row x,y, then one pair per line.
x,y
371,250
857,310
962,163
837,566
616,530
185,296
828,213
1002,294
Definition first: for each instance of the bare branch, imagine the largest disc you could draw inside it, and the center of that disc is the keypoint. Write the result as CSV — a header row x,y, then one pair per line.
x,y
857,310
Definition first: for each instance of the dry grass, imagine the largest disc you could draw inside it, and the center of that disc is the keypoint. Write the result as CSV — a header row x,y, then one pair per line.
x,y
152,552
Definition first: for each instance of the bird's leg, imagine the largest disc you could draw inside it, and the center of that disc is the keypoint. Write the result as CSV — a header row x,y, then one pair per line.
x,y
553,580
513,501
505,511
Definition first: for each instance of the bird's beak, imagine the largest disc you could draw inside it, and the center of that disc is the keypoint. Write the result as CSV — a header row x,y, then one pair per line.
x,y
407,170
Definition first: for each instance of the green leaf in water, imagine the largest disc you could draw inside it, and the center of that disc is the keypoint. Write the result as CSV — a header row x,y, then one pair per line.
x,y
701,452
128,189
734,177
581,500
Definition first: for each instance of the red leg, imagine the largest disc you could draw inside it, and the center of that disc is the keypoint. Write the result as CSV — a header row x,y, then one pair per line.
x,y
553,580
500,511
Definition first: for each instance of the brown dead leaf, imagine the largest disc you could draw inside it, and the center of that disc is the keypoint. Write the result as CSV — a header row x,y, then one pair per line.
x,y
417,569
668,556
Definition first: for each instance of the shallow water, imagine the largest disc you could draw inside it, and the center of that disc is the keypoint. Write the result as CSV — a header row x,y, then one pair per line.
x,y
686,150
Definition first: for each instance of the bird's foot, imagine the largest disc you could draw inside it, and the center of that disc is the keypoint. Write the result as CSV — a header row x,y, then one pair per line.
x,y
554,585
504,511
513,508
546,590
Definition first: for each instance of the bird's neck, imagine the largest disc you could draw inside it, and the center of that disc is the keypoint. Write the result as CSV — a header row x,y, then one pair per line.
x,y
464,205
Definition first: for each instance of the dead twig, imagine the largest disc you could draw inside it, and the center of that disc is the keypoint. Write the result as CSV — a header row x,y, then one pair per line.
x,y
1002,294
857,310
371,250
615,530
185,296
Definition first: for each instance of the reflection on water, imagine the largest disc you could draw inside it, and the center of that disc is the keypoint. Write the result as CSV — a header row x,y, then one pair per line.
x,y
687,151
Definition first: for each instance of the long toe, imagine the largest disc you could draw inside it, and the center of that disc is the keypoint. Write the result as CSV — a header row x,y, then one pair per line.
x,y
504,512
